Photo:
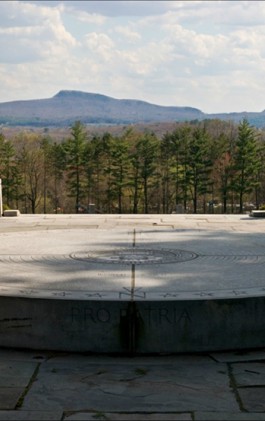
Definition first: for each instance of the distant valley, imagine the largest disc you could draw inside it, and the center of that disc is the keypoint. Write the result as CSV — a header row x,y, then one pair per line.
x,y
66,107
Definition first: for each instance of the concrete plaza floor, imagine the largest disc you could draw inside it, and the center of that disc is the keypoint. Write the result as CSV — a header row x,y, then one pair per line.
x,y
153,257
187,255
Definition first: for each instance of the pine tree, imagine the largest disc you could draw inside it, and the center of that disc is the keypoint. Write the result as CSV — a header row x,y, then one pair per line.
x,y
247,162
198,165
74,149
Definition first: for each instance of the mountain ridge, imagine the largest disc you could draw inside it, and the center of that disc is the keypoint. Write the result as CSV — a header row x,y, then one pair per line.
x,y
68,106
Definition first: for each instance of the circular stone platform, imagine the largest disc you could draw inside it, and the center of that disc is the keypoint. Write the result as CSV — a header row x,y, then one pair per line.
x,y
132,284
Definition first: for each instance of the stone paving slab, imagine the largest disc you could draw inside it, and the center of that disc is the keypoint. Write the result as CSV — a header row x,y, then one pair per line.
x,y
229,416
9,396
15,377
180,387
68,386
237,356
16,373
253,399
30,416
252,374
115,416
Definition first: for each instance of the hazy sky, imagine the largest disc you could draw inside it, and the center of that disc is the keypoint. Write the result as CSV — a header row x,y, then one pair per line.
x,y
204,54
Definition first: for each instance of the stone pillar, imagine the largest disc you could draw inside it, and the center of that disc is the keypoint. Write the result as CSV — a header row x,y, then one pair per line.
x,y
1,199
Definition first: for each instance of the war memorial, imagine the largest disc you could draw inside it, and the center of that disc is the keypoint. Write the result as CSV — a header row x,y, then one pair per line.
x,y
132,317
132,284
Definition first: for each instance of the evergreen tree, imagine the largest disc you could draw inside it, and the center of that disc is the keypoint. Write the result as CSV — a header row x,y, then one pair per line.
x,y
74,150
147,153
118,171
54,180
95,156
199,165
247,162
179,142
166,171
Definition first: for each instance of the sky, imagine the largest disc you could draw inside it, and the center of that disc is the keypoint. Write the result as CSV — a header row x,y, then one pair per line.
x,y
204,54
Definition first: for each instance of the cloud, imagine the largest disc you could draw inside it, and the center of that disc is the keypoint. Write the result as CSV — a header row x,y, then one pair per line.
x,y
207,54
31,33
119,8
100,44
93,18
130,35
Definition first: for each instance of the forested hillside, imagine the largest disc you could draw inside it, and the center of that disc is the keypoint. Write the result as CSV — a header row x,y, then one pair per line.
x,y
66,107
202,167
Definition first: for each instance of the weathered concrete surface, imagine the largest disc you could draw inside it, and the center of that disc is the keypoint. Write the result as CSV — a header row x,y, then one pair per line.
x,y
62,386
132,283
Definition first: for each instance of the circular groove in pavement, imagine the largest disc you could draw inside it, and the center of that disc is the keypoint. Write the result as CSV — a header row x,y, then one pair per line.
x,y
137,256
129,256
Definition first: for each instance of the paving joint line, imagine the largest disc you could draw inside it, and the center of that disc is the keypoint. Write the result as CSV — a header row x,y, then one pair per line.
x,y
28,387
233,386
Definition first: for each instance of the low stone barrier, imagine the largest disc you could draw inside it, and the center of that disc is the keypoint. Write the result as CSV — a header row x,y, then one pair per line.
x,y
11,212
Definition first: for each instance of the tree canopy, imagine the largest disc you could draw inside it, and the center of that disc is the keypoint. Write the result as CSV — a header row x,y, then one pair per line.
x,y
198,167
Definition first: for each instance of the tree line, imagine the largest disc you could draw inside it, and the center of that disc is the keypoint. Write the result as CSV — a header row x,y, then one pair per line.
x,y
198,167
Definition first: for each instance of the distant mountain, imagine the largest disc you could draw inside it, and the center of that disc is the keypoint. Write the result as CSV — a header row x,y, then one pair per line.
x,y
66,107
